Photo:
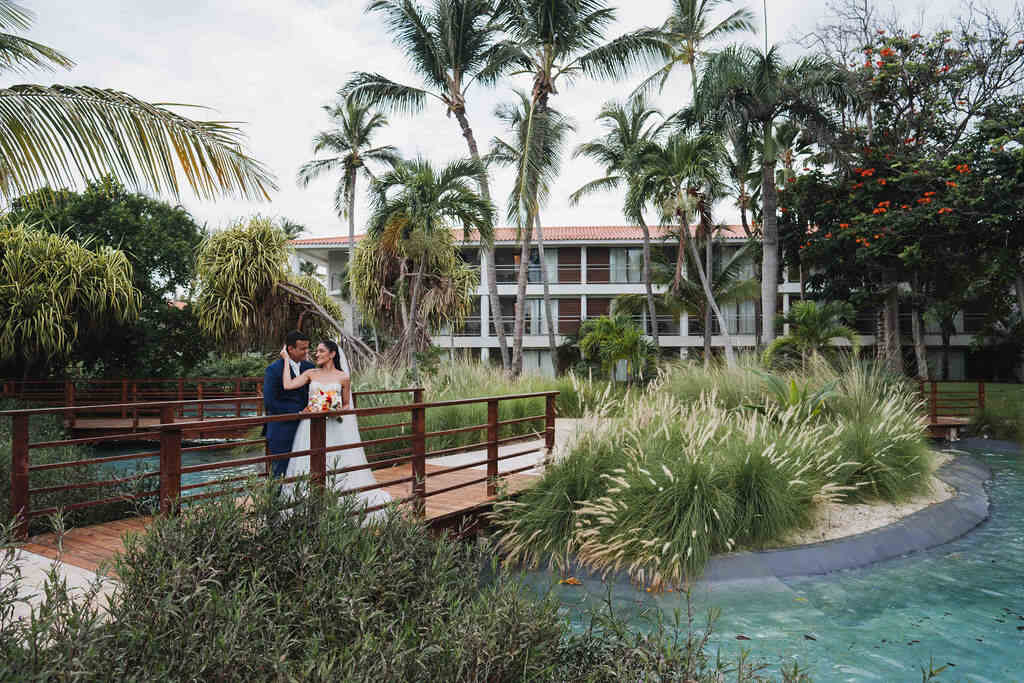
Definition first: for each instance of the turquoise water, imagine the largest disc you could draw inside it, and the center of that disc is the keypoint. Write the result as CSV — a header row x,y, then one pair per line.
x,y
122,468
961,604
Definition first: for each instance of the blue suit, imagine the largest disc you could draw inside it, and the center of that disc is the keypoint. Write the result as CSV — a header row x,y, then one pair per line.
x,y
279,401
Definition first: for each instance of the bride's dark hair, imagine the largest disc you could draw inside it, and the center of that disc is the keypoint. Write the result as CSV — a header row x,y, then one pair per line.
x,y
332,346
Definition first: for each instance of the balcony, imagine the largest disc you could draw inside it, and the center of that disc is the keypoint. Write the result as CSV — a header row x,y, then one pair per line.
x,y
738,323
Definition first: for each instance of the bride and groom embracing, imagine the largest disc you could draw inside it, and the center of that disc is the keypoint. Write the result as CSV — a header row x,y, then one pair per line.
x,y
292,384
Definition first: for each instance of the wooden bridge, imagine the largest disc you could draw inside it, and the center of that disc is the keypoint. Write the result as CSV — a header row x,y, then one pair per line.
x,y
422,470
951,405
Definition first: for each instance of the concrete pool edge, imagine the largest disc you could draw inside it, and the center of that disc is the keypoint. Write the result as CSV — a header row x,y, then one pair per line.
x,y
932,526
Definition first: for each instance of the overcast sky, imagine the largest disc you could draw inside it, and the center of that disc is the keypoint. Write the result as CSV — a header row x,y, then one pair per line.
x,y
272,64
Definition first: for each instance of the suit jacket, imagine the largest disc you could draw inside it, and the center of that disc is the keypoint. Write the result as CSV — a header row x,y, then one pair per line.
x,y
278,401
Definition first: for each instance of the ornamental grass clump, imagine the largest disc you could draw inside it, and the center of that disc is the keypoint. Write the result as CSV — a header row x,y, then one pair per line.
x,y
536,528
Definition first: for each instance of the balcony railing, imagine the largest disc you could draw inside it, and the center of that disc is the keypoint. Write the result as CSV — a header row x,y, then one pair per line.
x,y
738,323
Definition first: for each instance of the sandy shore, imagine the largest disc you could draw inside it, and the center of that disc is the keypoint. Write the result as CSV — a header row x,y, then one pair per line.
x,y
835,520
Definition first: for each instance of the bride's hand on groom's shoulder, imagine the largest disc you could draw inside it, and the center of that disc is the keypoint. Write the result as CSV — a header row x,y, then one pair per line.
x,y
284,353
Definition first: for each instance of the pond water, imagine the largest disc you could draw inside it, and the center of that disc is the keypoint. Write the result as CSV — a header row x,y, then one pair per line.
x,y
123,468
960,604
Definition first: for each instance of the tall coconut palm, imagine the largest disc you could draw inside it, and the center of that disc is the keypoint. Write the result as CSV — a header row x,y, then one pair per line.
x,y
728,286
682,178
350,144
541,167
688,28
630,129
555,41
742,85
450,46
58,135
418,202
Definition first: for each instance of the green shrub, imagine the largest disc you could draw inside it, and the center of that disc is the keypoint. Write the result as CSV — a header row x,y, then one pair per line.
x,y
1003,414
217,593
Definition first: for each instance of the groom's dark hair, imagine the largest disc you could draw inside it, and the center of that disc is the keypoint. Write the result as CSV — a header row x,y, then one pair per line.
x,y
294,337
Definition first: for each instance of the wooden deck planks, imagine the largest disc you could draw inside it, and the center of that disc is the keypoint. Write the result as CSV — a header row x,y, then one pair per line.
x,y
89,547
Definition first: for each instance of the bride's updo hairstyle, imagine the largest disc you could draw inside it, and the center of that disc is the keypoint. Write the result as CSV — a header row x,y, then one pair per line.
x,y
333,347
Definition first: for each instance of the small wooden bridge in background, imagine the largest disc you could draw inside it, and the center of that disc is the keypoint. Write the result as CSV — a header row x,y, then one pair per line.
x,y
951,405
427,483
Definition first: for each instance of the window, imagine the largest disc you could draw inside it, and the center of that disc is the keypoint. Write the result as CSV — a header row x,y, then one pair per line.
x,y
627,265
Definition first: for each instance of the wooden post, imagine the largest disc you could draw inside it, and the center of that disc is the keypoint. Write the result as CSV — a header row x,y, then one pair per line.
x,y
181,389
492,447
419,458
318,458
549,422
199,397
166,415
933,411
981,396
69,400
170,470
19,476
124,397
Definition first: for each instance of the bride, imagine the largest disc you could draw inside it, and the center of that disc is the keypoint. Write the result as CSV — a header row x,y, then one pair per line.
x,y
331,374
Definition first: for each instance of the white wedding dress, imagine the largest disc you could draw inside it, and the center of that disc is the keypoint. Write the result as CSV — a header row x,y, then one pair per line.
x,y
338,433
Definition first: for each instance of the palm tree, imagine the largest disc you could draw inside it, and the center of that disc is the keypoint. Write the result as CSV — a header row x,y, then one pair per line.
x,y
248,294
614,338
686,30
450,47
688,298
619,150
813,327
415,202
350,144
542,170
554,41
682,179
55,136
744,86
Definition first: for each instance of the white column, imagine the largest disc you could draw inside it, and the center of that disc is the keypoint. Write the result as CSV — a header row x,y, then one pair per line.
x,y
485,315
785,311
583,265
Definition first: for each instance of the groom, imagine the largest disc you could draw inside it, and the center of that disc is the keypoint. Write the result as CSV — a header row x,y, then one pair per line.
x,y
278,401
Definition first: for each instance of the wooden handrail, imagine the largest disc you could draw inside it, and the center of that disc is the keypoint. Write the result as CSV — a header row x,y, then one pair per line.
x,y
171,435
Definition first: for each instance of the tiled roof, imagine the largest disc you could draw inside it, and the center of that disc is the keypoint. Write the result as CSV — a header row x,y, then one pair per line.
x,y
555,233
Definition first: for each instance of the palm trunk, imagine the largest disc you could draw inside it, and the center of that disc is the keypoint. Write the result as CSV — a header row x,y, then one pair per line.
x,y
730,356
652,310
518,331
770,251
412,330
920,353
352,246
707,336
758,311
488,249
547,292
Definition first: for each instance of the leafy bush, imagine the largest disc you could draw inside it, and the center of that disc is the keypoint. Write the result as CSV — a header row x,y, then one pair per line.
x,y
1003,414
218,593
250,364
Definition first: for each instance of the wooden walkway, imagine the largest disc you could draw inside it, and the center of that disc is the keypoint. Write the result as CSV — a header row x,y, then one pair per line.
x,y
107,426
89,547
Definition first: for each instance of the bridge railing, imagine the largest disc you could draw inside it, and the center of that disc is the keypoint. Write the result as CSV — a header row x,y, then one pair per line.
x,y
952,398
407,444
205,419
123,391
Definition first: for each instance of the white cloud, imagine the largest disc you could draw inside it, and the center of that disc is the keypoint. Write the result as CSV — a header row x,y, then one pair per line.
x,y
273,64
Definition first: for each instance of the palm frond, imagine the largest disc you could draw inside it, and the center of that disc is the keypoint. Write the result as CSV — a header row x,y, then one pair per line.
x,y
380,91
58,134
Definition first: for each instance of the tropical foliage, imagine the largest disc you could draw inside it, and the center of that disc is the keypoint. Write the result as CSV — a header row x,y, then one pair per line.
x,y
54,290
607,340
159,241
411,267
248,298
56,135
813,329
451,46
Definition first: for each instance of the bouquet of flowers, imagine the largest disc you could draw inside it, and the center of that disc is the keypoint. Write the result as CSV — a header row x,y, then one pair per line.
x,y
323,401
